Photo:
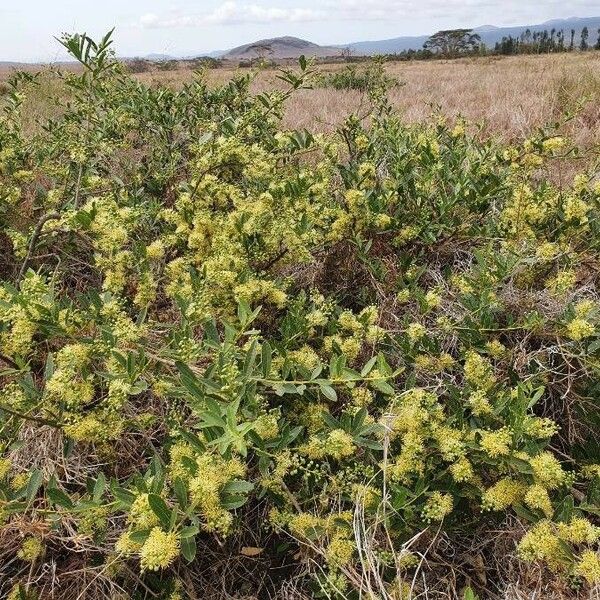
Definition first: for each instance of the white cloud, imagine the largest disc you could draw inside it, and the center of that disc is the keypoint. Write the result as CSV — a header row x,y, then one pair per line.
x,y
473,12
230,13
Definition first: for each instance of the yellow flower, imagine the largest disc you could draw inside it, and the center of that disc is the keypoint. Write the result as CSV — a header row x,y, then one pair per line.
x,y
140,513
503,494
495,348
478,371
462,470
267,427
578,329
362,142
458,131
437,507
338,444
547,470
30,549
540,428
159,550
553,144
415,332
562,282
542,543
403,296
588,567
126,546
480,405
5,467
496,443
537,497
339,552
579,531
432,299
546,251
584,307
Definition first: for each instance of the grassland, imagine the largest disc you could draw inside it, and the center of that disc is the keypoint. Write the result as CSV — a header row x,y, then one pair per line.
x,y
512,95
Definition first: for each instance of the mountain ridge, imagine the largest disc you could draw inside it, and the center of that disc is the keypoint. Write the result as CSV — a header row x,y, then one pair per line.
x,y
488,36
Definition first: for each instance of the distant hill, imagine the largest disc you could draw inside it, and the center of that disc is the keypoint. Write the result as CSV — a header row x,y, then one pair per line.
x,y
281,47
489,35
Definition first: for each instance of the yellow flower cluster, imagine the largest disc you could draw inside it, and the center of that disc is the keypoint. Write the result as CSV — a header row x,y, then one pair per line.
x,y
503,493
578,329
496,443
478,371
339,552
437,507
20,312
140,515
354,331
159,550
337,444
416,332
552,544
588,567
31,549
547,470
205,489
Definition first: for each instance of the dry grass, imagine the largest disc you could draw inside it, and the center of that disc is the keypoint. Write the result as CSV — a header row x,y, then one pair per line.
x,y
511,95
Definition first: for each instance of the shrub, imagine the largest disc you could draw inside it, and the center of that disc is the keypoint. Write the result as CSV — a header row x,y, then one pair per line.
x,y
353,78
138,65
212,328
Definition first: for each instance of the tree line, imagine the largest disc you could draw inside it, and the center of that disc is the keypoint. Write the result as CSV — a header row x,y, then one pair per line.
x,y
466,42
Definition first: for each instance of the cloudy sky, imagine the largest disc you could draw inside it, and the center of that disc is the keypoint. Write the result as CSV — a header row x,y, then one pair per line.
x,y
186,27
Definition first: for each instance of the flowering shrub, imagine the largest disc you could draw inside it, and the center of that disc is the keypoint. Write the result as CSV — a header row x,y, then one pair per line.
x,y
210,325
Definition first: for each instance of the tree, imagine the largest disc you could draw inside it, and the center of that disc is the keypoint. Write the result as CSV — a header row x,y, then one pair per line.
x,y
572,44
597,46
453,42
585,34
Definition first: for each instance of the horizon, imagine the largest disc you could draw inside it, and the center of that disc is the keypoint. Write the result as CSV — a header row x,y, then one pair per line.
x,y
194,28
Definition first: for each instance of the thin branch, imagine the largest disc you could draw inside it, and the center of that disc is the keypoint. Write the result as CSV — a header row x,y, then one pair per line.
x,y
34,238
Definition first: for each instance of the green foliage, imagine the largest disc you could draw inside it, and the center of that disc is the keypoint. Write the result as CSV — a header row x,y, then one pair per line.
x,y
386,330
353,78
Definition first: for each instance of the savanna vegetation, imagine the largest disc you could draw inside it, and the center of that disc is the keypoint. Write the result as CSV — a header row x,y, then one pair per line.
x,y
244,360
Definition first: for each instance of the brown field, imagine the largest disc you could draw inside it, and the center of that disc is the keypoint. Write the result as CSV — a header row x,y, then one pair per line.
x,y
509,96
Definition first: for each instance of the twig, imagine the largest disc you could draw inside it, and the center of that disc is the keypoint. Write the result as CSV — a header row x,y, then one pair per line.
x,y
9,361
34,238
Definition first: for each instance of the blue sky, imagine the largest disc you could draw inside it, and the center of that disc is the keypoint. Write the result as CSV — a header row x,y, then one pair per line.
x,y
27,27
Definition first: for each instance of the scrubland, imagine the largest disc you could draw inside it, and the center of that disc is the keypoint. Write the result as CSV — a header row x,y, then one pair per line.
x,y
262,338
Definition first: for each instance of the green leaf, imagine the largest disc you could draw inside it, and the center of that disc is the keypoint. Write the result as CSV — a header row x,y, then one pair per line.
x,y
123,495
180,490
238,487
265,360
59,498
99,487
368,366
140,536
232,502
469,594
189,531
250,358
328,392
383,386
189,380
33,485
188,548
520,465
160,509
